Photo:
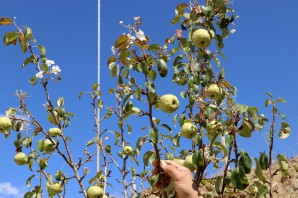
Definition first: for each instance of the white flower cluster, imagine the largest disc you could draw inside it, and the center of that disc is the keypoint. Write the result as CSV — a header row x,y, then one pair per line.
x,y
54,70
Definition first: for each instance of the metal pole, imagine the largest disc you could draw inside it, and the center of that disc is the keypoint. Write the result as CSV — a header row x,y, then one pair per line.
x,y
98,81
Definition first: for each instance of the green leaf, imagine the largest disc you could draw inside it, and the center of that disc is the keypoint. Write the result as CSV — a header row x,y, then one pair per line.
x,y
150,86
153,134
167,127
5,21
162,67
144,68
10,112
181,7
242,108
43,163
280,100
28,33
207,10
124,54
176,140
23,43
258,171
89,143
28,182
117,135
10,38
60,102
267,102
31,59
154,47
263,160
42,50
113,69
59,175
147,156
152,74
235,179
245,162
269,94
285,130
176,19
154,179
121,40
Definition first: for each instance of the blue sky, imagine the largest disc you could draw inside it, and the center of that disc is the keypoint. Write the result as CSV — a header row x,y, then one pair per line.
x,y
261,56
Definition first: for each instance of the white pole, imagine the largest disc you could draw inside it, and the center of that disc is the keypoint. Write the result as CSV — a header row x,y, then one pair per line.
x,y
98,81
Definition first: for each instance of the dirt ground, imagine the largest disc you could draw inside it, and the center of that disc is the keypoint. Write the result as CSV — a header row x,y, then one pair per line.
x,y
284,187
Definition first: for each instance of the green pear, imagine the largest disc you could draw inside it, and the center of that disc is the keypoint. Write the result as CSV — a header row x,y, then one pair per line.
x,y
214,91
48,146
201,38
20,158
188,130
95,192
168,103
247,128
52,119
5,124
127,150
54,132
179,161
54,188
188,163
214,127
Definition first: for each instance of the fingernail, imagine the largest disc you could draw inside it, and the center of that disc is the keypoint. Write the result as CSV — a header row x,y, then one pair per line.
x,y
163,163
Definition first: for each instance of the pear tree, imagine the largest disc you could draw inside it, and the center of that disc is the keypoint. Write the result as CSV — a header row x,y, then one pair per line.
x,y
197,122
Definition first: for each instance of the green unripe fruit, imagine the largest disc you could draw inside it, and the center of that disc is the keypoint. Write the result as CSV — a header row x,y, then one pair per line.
x,y
214,91
5,124
188,130
54,188
52,119
168,103
201,38
54,132
20,158
214,127
95,192
127,150
188,163
48,146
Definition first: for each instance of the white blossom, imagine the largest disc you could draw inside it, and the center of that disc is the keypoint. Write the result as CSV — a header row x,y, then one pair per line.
x,y
131,38
39,74
232,31
140,35
120,22
49,62
136,18
56,69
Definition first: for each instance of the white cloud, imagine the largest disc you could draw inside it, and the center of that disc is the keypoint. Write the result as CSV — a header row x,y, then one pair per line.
x,y
8,190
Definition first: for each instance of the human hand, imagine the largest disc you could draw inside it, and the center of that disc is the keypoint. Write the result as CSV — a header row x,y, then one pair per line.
x,y
181,176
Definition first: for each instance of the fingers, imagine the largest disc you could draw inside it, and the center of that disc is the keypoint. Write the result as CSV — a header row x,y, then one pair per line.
x,y
173,169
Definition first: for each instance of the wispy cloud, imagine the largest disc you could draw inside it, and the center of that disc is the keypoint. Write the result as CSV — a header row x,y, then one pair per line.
x,y
7,190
